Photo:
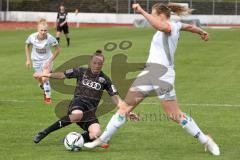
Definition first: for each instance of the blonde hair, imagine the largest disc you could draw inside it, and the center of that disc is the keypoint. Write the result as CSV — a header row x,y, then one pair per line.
x,y
171,7
42,22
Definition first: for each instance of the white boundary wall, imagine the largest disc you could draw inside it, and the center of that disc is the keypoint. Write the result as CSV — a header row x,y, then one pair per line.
x,y
108,18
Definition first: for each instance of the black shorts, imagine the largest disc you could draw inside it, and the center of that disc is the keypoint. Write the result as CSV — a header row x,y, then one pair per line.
x,y
89,116
63,28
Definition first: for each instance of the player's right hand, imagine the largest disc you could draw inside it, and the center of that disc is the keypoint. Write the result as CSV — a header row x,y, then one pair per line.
x,y
137,8
205,36
28,64
134,117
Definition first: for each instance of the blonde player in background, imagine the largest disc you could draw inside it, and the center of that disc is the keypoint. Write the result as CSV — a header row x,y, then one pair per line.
x,y
160,62
41,59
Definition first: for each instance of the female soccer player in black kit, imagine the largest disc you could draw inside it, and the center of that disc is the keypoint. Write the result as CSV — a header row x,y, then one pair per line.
x,y
62,24
90,85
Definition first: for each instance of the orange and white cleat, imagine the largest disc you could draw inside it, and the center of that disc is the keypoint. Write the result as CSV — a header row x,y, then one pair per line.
x,y
105,146
47,100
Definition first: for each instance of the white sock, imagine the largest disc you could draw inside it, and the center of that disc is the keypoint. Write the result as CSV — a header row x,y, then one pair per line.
x,y
192,128
116,122
47,89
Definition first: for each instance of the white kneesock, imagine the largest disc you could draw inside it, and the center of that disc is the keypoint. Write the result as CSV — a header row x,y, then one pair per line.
x,y
192,128
116,122
47,89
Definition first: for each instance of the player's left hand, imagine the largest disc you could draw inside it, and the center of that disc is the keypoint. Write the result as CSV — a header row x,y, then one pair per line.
x,y
134,117
137,8
205,36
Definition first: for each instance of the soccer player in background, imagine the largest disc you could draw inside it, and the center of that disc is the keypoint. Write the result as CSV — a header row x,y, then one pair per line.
x,y
160,75
90,85
41,59
62,25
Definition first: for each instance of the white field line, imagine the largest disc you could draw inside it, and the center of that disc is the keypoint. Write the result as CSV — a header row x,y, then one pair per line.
x,y
144,103
220,27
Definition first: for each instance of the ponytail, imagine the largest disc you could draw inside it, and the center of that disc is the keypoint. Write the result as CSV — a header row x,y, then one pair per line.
x,y
179,10
171,7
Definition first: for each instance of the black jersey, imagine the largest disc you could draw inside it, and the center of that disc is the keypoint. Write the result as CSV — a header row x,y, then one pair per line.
x,y
61,17
89,86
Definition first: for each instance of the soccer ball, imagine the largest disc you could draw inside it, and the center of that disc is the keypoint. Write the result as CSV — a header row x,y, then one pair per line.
x,y
73,141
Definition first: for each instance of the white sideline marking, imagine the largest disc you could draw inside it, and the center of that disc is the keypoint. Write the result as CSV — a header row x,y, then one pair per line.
x,y
203,104
155,103
220,27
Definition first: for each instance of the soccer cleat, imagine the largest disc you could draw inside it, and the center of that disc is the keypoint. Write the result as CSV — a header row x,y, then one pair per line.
x,y
39,136
96,143
212,147
105,146
48,100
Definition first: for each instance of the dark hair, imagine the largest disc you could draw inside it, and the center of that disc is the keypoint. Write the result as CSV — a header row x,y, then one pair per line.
x,y
98,53
171,7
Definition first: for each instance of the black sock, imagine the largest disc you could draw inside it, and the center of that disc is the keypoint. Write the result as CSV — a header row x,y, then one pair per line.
x,y
65,121
86,137
58,39
68,41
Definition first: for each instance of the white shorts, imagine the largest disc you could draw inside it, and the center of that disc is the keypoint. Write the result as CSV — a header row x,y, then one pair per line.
x,y
158,78
38,65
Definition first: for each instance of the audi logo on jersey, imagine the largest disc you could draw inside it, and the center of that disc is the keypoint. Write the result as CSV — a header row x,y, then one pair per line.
x,y
91,84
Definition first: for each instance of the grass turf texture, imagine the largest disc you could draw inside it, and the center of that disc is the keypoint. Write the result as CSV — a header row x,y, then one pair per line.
x,y
206,73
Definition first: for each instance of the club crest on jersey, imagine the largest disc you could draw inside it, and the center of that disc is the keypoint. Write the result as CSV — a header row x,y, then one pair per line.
x,y
91,84
101,79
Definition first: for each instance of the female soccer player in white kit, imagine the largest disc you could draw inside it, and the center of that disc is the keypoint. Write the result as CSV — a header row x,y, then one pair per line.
x,y
40,44
160,75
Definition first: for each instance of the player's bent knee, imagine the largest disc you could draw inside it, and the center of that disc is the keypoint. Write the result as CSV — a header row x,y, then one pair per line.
x,y
94,131
76,116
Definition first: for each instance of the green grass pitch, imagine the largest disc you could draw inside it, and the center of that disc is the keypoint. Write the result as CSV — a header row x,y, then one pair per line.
x,y
207,85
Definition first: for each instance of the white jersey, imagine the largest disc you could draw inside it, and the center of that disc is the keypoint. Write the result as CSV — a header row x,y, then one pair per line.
x,y
163,46
41,49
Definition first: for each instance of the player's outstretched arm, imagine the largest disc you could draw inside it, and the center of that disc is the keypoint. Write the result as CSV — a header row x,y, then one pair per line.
x,y
194,29
56,75
159,25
